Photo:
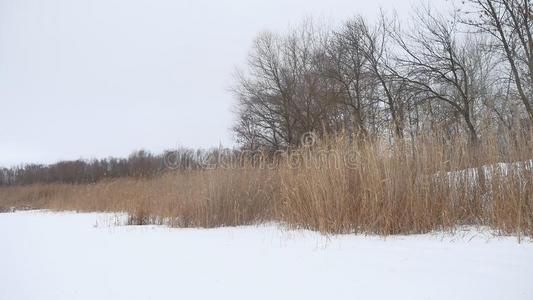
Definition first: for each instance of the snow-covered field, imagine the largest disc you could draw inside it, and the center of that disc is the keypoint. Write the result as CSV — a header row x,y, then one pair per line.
x,y
46,255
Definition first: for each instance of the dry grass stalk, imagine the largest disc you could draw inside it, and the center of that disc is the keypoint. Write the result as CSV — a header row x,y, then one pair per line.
x,y
334,187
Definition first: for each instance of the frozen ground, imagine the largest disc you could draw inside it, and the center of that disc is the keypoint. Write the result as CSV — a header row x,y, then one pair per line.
x,y
85,256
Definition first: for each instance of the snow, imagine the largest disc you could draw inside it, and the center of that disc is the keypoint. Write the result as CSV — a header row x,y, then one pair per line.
x,y
46,255
501,169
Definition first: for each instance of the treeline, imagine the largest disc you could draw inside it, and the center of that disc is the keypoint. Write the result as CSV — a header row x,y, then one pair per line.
x,y
140,164
469,72
466,71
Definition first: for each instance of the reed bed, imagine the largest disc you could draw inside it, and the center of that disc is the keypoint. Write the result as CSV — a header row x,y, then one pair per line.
x,y
334,185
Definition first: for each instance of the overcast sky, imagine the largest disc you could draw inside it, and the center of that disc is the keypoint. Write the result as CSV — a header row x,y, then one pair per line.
x,y
98,78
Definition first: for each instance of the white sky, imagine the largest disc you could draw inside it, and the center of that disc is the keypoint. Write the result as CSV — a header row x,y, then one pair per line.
x,y
98,78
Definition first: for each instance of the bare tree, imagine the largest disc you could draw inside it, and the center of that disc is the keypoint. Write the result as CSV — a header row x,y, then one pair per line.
x,y
441,65
510,23
373,80
346,64
282,94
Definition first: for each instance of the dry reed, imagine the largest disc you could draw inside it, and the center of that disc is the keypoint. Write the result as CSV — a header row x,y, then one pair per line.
x,y
333,186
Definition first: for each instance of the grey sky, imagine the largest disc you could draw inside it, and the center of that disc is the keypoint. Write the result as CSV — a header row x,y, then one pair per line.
x,y
97,78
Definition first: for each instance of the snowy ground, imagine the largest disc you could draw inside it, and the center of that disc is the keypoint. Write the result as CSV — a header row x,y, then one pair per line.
x,y
86,256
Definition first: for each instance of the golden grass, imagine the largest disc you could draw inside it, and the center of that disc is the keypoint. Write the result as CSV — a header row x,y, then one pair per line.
x,y
333,187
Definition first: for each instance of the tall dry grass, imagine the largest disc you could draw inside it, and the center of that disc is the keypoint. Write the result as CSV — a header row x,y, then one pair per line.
x,y
391,189
333,186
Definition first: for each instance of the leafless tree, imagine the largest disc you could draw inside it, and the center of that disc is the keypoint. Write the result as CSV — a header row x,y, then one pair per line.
x,y
346,65
281,95
377,50
510,23
441,65
374,79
